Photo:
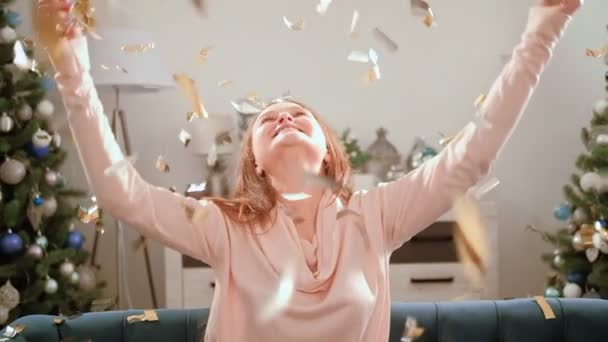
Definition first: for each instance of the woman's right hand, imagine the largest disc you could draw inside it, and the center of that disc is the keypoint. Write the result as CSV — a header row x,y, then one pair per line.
x,y
567,6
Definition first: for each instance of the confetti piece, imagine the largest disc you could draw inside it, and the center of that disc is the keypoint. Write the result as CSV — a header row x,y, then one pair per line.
x,y
358,56
545,307
58,320
185,137
137,48
161,164
294,26
388,43
283,294
188,87
373,56
411,330
469,235
89,211
224,83
119,68
421,8
322,6
197,187
353,24
203,54
118,166
296,196
597,53
485,187
147,316
246,106
479,100
105,67
212,155
372,75
446,139
429,21
21,59
172,188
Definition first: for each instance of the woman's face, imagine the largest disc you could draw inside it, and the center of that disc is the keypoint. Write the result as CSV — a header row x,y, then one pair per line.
x,y
287,127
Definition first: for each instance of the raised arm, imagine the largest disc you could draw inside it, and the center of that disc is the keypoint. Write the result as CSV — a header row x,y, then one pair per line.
x,y
416,200
155,212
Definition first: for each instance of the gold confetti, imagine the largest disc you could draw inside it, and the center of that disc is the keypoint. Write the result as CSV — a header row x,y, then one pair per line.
x,y
223,138
296,196
185,137
224,83
137,48
120,165
190,116
89,211
203,54
195,215
161,164
388,43
105,67
545,307
353,24
421,8
597,53
147,316
372,75
429,21
469,236
411,330
479,100
322,6
282,296
294,26
188,87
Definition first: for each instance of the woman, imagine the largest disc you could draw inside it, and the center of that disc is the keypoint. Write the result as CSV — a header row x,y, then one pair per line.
x,y
335,266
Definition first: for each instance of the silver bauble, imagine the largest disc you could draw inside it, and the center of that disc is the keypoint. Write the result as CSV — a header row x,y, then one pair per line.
x,y
25,113
66,269
577,242
572,290
601,106
35,251
12,171
42,241
49,206
51,177
558,261
51,286
579,216
6,123
87,279
45,109
74,278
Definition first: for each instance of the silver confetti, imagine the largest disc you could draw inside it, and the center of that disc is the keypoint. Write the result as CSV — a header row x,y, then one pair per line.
x,y
388,43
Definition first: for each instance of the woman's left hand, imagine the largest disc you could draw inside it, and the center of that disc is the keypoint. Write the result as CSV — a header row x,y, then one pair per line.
x,y
567,6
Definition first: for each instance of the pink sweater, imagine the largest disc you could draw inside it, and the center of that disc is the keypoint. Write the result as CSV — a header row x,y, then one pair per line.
x,y
348,299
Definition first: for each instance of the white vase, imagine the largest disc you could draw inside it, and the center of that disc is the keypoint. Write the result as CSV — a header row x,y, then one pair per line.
x,y
363,181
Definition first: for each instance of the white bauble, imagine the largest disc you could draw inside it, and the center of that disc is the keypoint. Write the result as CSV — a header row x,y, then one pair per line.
x,y
591,180
12,171
35,251
592,254
49,206
600,243
45,109
41,138
601,106
57,140
6,123
601,139
7,34
25,113
51,177
66,269
3,314
572,290
87,279
579,216
9,296
51,286
74,278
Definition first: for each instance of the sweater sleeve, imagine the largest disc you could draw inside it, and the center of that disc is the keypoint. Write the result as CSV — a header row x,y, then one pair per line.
x,y
413,202
153,211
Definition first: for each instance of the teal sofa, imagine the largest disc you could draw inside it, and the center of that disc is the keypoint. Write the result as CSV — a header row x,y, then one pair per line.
x,y
517,320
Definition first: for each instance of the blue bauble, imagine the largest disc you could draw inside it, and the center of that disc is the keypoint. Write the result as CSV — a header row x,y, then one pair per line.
x,y
75,240
10,244
601,223
578,278
562,212
428,152
38,152
38,201
47,83
13,18
552,292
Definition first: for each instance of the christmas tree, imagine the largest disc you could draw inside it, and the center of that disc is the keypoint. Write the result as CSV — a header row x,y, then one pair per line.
x,y
579,262
356,155
42,263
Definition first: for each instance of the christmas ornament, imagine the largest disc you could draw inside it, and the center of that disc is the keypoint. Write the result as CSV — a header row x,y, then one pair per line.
x,y
25,113
6,123
12,171
572,290
572,228
51,285
66,269
600,243
45,109
562,212
34,215
51,177
4,313
41,138
579,216
592,253
601,139
57,140
38,152
601,106
37,200
74,278
9,296
558,261
7,35
49,207
42,241
583,239
10,243
13,18
46,83
591,181
578,278
35,251
551,292
87,279
75,240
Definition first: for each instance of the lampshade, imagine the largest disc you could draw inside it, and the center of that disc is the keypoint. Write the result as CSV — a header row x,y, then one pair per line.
x,y
130,71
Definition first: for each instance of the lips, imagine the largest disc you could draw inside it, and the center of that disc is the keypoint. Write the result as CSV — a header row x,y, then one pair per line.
x,y
283,127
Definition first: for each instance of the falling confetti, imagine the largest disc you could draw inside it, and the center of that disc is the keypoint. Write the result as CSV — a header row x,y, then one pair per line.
x,y
322,6
388,43
296,196
203,54
372,75
479,100
185,137
224,83
118,166
353,24
105,67
119,68
421,8
188,86
358,56
294,26
373,56
411,330
597,53
485,187
282,296
161,164
137,48
147,316
21,60
545,307
469,236
89,211
212,156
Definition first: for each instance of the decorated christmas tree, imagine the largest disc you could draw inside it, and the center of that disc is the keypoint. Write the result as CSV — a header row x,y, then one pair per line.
x,y
356,155
42,264
579,262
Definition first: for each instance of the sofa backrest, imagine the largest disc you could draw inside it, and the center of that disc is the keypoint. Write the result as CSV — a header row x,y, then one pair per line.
x,y
519,320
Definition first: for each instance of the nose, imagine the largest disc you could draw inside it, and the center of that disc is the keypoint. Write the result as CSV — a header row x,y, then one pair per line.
x,y
285,117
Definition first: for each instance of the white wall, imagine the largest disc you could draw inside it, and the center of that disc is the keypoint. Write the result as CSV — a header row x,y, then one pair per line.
x,y
428,86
